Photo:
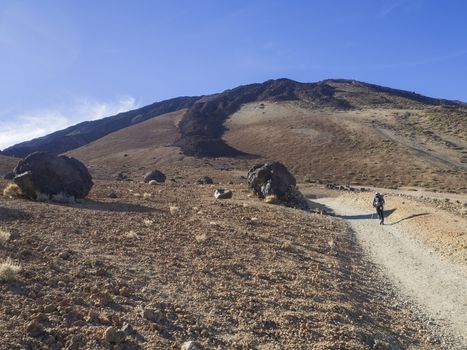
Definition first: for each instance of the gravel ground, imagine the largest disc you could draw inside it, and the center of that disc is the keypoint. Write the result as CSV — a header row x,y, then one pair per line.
x,y
437,285
178,265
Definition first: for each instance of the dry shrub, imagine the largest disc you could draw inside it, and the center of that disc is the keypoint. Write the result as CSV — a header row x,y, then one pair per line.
x,y
9,270
271,199
12,191
173,209
4,236
148,222
147,195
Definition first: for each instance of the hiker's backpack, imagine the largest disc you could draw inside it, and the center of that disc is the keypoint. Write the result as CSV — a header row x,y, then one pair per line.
x,y
378,201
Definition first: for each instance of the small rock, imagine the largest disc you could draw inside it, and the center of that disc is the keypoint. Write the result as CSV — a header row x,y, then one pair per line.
x,y
121,176
51,340
34,328
221,193
150,314
65,255
127,329
112,194
390,343
205,180
191,345
50,308
124,291
153,182
40,317
72,343
113,336
92,317
154,175
102,299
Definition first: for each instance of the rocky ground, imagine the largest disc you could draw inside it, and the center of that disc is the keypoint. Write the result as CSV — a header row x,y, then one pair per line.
x,y
170,263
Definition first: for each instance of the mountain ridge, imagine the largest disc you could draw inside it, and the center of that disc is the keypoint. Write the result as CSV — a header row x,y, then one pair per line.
x,y
202,126
85,132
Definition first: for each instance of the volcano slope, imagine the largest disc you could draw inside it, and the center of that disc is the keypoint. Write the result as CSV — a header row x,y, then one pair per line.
x,y
234,274
332,131
380,147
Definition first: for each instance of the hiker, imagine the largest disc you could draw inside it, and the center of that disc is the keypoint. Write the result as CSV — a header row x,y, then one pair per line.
x,y
378,203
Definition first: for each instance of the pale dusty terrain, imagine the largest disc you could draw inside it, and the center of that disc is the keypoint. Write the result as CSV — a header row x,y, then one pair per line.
x,y
422,249
384,147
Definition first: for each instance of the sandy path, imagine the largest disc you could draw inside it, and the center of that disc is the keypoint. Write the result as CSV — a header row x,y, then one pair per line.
x,y
422,275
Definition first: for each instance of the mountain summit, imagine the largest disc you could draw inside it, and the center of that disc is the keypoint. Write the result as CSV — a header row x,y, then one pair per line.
x,y
202,125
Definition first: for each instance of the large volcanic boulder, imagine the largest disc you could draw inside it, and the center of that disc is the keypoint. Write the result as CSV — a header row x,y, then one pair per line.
x,y
45,176
154,175
274,179
9,176
271,178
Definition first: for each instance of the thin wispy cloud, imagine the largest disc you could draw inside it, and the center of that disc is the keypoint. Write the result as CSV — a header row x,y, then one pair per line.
x,y
395,7
388,9
38,123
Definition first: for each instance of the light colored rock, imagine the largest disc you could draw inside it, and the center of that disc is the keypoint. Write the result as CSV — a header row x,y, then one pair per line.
x,y
191,345
220,193
150,314
114,336
127,329
34,328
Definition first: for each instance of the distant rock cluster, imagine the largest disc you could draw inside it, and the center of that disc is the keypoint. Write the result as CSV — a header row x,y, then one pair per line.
x,y
332,186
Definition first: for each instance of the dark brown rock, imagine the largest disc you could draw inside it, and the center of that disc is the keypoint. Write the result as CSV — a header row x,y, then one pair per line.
x,y
9,176
271,178
154,175
205,180
44,175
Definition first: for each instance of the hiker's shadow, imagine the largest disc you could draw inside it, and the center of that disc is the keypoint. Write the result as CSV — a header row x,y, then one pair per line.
x,y
408,218
373,215
13,214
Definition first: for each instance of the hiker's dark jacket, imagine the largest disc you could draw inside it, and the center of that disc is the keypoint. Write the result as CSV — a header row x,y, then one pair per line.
x,y
378,201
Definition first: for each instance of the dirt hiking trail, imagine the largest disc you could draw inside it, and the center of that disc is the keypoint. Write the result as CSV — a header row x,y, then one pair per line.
x,y
438,285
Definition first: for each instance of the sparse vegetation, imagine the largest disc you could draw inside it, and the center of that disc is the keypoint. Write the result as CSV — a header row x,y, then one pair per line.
x,y
4,236
12,191
9,270
271,199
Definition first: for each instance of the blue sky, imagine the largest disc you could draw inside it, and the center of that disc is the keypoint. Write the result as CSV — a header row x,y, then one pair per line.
x,y
62,62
